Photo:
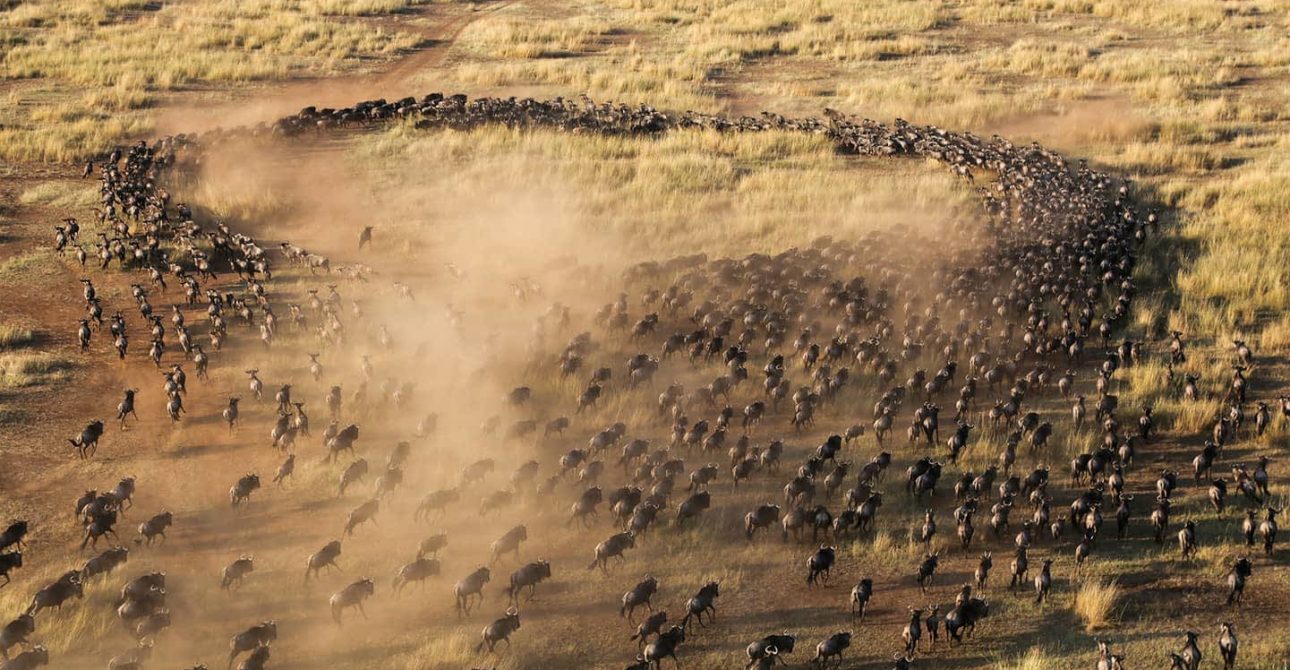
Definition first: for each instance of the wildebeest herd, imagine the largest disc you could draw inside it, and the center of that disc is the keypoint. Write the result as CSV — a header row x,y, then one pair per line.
x,y
1001,323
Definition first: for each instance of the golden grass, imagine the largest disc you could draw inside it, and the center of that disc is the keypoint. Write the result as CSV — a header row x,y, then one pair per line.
x,y
645,193
1035,659
12,336
87,67
18,370
1095,602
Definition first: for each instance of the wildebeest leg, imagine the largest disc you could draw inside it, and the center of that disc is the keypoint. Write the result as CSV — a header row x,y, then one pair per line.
x,y
361,610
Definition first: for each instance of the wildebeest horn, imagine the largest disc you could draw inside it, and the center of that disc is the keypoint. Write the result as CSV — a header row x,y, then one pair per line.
x,y
512,611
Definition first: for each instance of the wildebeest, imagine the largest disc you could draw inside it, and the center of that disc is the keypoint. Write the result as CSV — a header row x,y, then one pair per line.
x,y
418,570
769,646
832,647
432,545
964,617
861,593
820,564
56,593
639,595
155,527
9,562
703,602
665,646
509,543
362,514
612,547
528,576
236,571
258,636
87,443
28,660
243,488
104,563
351,596
499,631
16,632
470,585
323,558
1241,570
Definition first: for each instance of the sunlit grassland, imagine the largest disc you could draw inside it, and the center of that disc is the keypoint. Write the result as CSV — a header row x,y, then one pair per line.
x,y
85,73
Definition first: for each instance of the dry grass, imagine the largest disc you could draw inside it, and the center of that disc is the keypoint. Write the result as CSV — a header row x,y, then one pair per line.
x,y
19,370
12,336
1095,603
89,70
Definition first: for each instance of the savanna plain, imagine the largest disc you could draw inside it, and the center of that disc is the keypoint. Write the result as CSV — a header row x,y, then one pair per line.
x,y
454,291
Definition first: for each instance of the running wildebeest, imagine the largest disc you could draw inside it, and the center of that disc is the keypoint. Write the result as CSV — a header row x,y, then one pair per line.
x,y
470,585
242,489
499,631
641,594
831,647
235,572
528,576
258,636
87,443
323,558
703,602
351,596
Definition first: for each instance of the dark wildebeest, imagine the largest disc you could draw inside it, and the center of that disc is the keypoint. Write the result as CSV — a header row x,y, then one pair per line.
x,y
665,647
28,660
57,592
88,441
703,602
769,646
1241,571
9,562
612,547
255,637
641,594
499,631
16,632
861,593
528,576
819,565
242,489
